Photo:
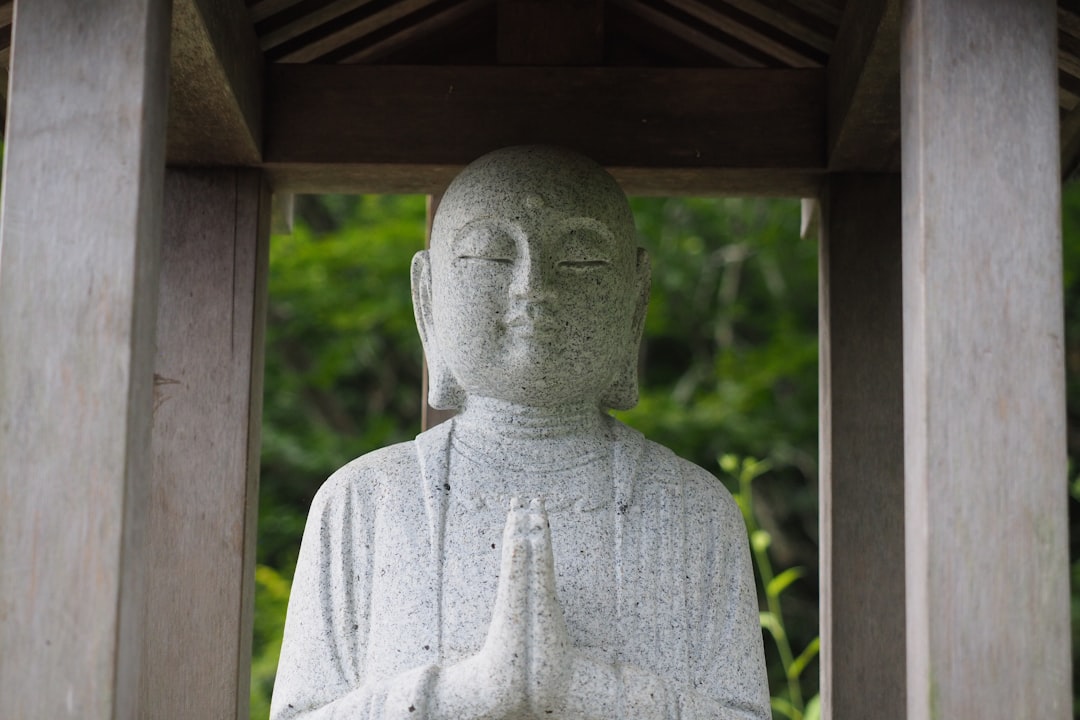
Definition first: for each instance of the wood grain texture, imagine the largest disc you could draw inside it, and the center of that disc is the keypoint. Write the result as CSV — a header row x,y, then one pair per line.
x,y
215,85
550,32
207,406
862,450
661,182
791,20
864,89
729,51
84,162
424,36
788,51
985,462
623,117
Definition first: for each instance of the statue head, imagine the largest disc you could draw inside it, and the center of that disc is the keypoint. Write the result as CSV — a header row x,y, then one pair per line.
x,y
534,290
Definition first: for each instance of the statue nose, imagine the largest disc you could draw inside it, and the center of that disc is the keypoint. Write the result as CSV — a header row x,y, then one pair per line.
x,y
532,281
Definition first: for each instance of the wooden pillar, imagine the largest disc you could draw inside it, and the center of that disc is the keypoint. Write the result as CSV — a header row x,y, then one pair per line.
x,y
985,461
83,169
862,450
207,408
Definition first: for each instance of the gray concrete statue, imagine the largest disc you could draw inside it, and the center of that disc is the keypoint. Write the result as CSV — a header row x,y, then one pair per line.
x,y
533,557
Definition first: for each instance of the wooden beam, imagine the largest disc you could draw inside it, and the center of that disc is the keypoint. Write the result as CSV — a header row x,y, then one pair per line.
x,y
864,89
987,579
416,179
788,19
207,414
787,50
550,32
730,51
417,31
339,30
862,450
215,85
81,226
342,126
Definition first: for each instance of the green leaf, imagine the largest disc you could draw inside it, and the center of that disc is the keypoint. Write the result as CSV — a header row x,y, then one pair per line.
x,y
772,623
785,708
779,583
760,540
813,709
799,664
729,463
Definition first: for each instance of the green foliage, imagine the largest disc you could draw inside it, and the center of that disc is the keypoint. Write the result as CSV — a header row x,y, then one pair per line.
x,y
343,358
272,599
789,700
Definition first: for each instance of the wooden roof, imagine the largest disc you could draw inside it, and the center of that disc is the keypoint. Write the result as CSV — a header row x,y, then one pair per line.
x,y
673,95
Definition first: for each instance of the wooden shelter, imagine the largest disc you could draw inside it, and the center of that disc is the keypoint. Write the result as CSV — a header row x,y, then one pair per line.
x,y
143,143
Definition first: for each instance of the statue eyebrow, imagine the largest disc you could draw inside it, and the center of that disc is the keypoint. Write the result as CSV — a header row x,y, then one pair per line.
x,y
462,233
591,224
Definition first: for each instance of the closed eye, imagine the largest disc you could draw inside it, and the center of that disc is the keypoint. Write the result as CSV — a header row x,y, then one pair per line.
x,y
501,260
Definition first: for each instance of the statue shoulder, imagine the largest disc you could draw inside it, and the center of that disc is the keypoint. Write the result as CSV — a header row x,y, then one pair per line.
x,y
702,491
389,466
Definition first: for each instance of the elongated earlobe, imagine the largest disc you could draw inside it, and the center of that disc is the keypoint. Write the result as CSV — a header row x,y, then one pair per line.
x,y
444,391
623,393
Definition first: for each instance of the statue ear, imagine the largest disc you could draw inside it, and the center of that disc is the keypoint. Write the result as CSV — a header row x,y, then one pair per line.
x,y
444,392
623,393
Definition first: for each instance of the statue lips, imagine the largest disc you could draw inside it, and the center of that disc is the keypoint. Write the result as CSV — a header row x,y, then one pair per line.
x,y
532,320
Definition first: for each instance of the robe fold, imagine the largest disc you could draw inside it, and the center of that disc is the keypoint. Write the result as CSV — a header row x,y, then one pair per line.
x,y
363,634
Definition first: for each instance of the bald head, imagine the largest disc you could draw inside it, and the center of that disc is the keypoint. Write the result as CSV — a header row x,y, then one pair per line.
x,y
534,177
533,290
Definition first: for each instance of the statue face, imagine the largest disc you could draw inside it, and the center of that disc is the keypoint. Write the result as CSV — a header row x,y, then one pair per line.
x,y
535,282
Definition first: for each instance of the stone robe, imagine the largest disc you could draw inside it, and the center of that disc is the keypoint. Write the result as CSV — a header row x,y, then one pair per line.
x,y
363,637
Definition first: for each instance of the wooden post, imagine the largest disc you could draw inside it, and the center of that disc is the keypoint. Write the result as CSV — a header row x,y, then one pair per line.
x,y
83,175
862,450
985,460
207,408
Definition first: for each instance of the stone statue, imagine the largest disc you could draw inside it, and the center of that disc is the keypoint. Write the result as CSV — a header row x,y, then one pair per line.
x,y
532,557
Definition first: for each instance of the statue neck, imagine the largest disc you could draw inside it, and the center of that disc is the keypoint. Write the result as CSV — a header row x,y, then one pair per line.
x,y
530,438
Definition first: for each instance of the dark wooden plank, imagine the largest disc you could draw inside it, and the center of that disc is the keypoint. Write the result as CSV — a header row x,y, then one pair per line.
x,y
215,85
828,10
81,226
369,17
728,120
632,41
550,32
862,450
786,50
207,407
731,51
259,10
984,400
307,15
414,32
864,89
656,181
807,27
